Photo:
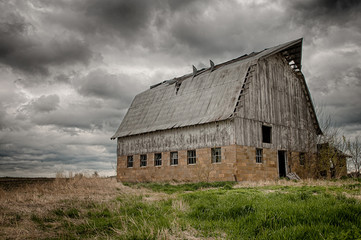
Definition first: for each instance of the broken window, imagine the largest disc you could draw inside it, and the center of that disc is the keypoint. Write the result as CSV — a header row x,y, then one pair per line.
x,y
143,160
266,134
259,153
130,161
216,155
174,158
191,157
302,158
157,159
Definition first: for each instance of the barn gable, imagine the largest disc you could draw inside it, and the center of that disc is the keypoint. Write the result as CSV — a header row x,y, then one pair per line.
x,y
205,96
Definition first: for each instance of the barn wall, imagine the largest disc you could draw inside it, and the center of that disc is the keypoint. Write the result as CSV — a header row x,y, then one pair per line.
x,y
275,96
203,170
238,163
248,170
193,137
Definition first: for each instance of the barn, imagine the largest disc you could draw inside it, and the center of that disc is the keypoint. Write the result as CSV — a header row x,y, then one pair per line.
x,y
250,118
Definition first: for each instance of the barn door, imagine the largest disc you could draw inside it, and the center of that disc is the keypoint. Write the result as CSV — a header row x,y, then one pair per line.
x,y
282,163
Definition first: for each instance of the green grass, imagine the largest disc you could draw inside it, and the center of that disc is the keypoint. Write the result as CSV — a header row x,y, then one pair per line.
x,y
258,215
219,211
174,188
125,218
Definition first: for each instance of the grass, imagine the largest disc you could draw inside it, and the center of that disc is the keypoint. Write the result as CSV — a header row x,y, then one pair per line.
x,y
173,188
97,208
299,214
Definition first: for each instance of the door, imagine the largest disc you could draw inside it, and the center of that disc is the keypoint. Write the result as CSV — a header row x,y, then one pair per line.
x,y
282,163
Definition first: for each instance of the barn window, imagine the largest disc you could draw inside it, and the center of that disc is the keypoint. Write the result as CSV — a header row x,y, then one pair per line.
x,y
157,159
216,155
266,134
191,157
259,153
143,160
130,161
174,158
302,159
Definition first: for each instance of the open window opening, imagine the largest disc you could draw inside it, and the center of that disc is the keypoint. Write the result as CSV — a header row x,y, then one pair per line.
x,y
266,134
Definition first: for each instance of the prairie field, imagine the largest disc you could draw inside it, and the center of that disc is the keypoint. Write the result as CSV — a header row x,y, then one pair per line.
x,y
102,208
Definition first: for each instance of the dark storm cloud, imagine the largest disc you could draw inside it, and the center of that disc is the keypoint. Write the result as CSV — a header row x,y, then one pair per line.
x,y
96,18
23,49
321,13
125,17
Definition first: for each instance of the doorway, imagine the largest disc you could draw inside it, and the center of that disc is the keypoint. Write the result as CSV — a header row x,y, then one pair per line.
x,y
282,163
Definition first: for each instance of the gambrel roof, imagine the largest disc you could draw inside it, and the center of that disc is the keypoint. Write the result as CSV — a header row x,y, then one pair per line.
x,y
207,95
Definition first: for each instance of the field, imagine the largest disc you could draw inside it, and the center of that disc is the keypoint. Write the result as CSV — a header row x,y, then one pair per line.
x,y
101,208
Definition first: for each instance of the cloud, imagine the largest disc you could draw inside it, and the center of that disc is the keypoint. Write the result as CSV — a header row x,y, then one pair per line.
x,y
317,16
44,104
24,48
104,85
124,19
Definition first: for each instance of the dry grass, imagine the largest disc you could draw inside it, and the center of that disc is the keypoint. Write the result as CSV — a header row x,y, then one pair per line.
x,y
20,207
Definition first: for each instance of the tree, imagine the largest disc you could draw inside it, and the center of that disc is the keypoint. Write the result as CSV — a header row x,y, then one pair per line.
x,y
354,150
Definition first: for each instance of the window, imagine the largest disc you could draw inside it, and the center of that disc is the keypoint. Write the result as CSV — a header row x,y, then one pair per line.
x,y
302,159
266,134
157,159
191,157
174,158
143,160
259,155
216,155
130,161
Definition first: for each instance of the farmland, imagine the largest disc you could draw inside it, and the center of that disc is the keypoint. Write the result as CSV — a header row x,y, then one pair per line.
x,y
101,208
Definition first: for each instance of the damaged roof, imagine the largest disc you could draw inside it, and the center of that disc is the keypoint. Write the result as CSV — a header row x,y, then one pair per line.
x,y
204,96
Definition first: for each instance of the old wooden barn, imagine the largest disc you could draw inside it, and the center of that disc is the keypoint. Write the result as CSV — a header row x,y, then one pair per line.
x,y
250,118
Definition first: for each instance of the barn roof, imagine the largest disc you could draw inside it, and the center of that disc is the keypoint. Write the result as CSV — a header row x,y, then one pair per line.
x,y
204,96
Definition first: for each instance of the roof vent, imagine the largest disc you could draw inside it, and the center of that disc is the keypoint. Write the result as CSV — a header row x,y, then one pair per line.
x,y
194,71
212,65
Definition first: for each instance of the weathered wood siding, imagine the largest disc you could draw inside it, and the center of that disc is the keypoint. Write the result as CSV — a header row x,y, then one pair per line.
x,y
193,137
276,97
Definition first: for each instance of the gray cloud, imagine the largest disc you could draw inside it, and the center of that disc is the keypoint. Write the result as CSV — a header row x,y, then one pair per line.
x,y
23,49
101,84
44,103
317,17
329,11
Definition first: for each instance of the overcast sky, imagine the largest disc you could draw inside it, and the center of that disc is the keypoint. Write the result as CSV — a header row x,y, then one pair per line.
x,y
70,69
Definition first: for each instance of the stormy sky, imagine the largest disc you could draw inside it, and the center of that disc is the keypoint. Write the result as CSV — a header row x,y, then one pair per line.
x,y
70,69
